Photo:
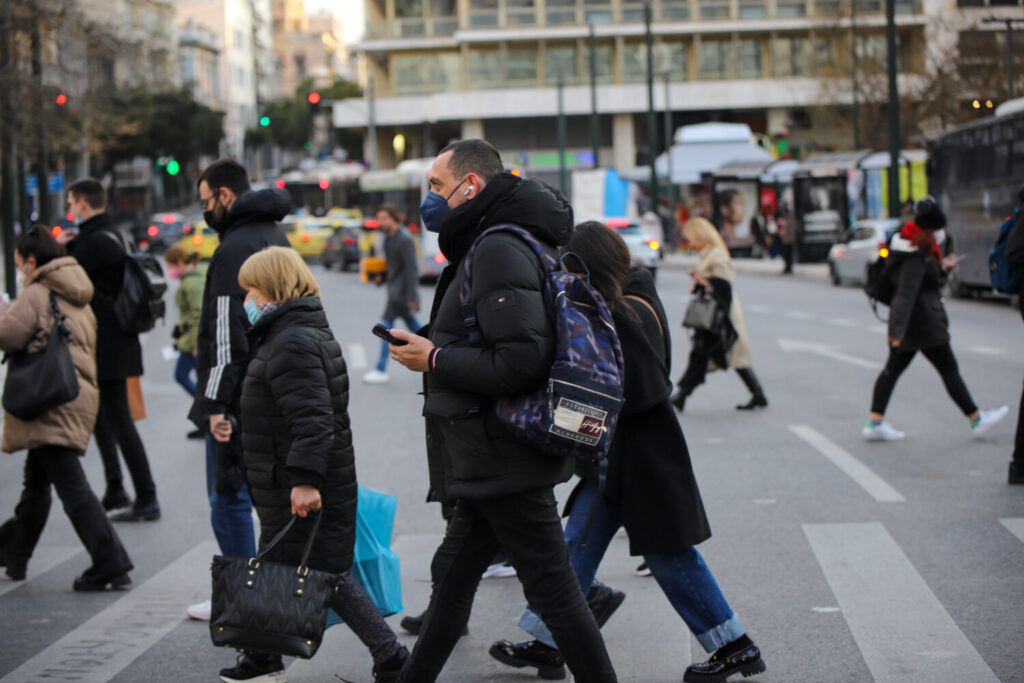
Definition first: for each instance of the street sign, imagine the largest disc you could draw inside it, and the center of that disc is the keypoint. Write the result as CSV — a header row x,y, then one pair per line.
x,y
31,185
55,184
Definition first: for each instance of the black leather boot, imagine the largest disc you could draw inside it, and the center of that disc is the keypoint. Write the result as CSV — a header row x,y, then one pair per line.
x,y
757,399
740,656
549,662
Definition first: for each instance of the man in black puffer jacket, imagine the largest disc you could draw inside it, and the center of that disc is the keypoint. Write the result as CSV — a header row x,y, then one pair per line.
x,y
246,221
1015,259
502,489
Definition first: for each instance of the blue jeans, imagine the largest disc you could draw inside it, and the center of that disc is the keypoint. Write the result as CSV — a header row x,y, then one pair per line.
x,y
385,352
231,516
183,372
684,578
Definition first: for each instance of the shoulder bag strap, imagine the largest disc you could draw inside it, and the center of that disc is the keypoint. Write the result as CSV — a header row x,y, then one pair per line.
x,y
284,532
650,308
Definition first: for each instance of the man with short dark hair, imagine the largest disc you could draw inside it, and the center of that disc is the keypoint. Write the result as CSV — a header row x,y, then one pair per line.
x,y
502,489
402,278
101,251
246,222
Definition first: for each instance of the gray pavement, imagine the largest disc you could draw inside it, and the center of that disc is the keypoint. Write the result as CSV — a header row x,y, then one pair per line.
x,y
845,560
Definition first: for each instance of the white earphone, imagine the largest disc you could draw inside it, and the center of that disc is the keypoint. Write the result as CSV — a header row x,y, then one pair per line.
x,y
468,190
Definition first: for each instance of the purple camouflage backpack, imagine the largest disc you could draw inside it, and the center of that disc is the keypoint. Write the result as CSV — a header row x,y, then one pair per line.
x,y
576,411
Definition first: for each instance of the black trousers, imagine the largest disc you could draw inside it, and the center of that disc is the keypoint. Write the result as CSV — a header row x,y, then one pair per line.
x,y
527,527
787,256
944,361
115,427
1018,441
697,370
61,468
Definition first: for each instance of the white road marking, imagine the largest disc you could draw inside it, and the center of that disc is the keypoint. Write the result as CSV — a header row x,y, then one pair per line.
x,y
903,631
765,501
1015,525
715,440
103,646
756,308
987,350
44,558
800,315
877,487
841,322
825,610
879,329
826,351
355,356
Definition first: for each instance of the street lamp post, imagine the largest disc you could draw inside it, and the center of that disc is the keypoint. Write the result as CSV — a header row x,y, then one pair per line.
x,y
1009,50
562,180
856,94
371,147
668,144
652,133
595,139
893,110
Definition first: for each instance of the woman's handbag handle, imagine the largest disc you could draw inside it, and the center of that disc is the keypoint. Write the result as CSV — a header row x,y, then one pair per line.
x,y
283,532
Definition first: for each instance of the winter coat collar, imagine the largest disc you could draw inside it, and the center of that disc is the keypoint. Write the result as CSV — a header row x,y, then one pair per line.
x,y
65,277
308,311
100,221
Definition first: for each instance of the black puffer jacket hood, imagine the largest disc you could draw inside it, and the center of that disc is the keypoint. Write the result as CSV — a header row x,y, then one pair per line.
x,y
531,204
258,206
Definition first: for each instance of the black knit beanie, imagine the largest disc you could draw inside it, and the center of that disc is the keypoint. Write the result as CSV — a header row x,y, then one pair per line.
x,y
928,215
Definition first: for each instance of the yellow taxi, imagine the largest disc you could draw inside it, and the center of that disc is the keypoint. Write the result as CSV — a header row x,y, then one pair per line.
x,y
309,235
200,237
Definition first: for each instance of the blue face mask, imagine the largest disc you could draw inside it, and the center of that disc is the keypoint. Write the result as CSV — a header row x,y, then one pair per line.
x,y
434,209
253,311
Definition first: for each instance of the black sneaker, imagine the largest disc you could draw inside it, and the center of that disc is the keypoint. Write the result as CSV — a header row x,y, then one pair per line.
x,y
255,668
118,582
1016,475
603,601
549,662
146,512
115,498
389,670
725,662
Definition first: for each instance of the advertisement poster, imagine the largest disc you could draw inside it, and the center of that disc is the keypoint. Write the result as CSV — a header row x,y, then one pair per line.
x,y
736,205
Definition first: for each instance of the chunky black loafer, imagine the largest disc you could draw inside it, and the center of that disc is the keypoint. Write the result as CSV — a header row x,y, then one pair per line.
x,y
719,667
549,661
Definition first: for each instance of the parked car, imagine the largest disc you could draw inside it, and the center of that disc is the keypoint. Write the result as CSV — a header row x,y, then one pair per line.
x,y
644,250
858,247
342,247
163,230
430,261
200,237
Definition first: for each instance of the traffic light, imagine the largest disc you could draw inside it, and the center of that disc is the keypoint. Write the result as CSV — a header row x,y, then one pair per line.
x,y
61,100
314,102
264,121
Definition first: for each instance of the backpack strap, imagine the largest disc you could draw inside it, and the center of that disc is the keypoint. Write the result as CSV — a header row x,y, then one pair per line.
x,y
547,264
117,239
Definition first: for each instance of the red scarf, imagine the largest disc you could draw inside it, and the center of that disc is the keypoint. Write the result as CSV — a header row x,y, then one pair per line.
x,y
920,239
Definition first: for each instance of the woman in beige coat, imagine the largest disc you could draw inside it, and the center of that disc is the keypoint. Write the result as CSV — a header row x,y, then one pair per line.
x,y
57,438
728,347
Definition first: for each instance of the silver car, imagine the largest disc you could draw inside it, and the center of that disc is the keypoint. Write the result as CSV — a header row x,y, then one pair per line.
x,y
644,250
848,259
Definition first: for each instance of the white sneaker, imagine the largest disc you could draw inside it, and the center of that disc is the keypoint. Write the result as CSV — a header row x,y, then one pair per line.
x,y
376,377
642,570
199,611
987,418
499,570
881,432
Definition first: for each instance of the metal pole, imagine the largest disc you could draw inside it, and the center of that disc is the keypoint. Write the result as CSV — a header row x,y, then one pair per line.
x,y
893,110
856,86
562,180
371,147
43,195
595,133
652,133
668,145
1009,57
6,151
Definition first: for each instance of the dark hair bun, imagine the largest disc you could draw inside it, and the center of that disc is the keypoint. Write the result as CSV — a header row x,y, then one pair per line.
x,y
928,215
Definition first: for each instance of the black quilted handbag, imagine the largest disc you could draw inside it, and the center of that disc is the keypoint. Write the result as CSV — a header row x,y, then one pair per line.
x,y
269,607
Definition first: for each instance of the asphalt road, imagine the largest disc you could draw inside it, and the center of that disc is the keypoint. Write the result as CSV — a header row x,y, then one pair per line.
x,y
845,560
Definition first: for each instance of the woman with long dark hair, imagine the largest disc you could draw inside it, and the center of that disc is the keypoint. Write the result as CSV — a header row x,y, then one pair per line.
x,y
58,438
650,488
918,322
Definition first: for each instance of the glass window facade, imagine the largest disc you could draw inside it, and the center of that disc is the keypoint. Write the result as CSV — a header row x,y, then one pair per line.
x,y
674,10
715,9
716,59
485,68
520,12
560,61
602,62
748,59
791,58
521,65
421,73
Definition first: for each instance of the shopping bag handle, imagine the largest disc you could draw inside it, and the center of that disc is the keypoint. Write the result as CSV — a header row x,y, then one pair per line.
x,y
283,532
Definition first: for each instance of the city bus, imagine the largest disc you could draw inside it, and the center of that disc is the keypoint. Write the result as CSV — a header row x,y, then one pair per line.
x,y
974,172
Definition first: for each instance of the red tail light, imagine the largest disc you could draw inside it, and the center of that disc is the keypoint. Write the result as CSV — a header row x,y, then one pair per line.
x,y
187,230
168,219
144,244
349,241
153,231
56,231
439,258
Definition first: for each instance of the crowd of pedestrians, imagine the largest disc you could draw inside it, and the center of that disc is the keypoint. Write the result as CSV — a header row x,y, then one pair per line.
x,y
270,389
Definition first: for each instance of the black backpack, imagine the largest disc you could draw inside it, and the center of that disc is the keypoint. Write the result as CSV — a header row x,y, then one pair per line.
x,y
140,301
880,279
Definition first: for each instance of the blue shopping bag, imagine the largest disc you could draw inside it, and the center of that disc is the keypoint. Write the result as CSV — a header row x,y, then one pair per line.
x,y
374,564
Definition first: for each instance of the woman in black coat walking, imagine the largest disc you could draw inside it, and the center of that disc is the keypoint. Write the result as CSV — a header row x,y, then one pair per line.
x,y
918,322
297,447
650,487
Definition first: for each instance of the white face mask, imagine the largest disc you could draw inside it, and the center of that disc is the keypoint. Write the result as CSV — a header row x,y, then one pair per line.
x,y
940,236
20,279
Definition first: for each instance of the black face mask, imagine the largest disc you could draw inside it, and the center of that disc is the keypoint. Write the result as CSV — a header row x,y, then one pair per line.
x,y
216,223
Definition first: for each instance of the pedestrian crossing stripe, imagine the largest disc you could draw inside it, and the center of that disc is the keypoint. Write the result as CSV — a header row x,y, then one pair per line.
x,y
104,645
1015,526
43,560
877,487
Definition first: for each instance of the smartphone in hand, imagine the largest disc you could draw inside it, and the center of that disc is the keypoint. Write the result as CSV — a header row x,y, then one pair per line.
x,y
385,334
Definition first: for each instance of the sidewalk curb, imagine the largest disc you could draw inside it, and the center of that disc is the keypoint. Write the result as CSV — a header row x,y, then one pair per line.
x,y
767,267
